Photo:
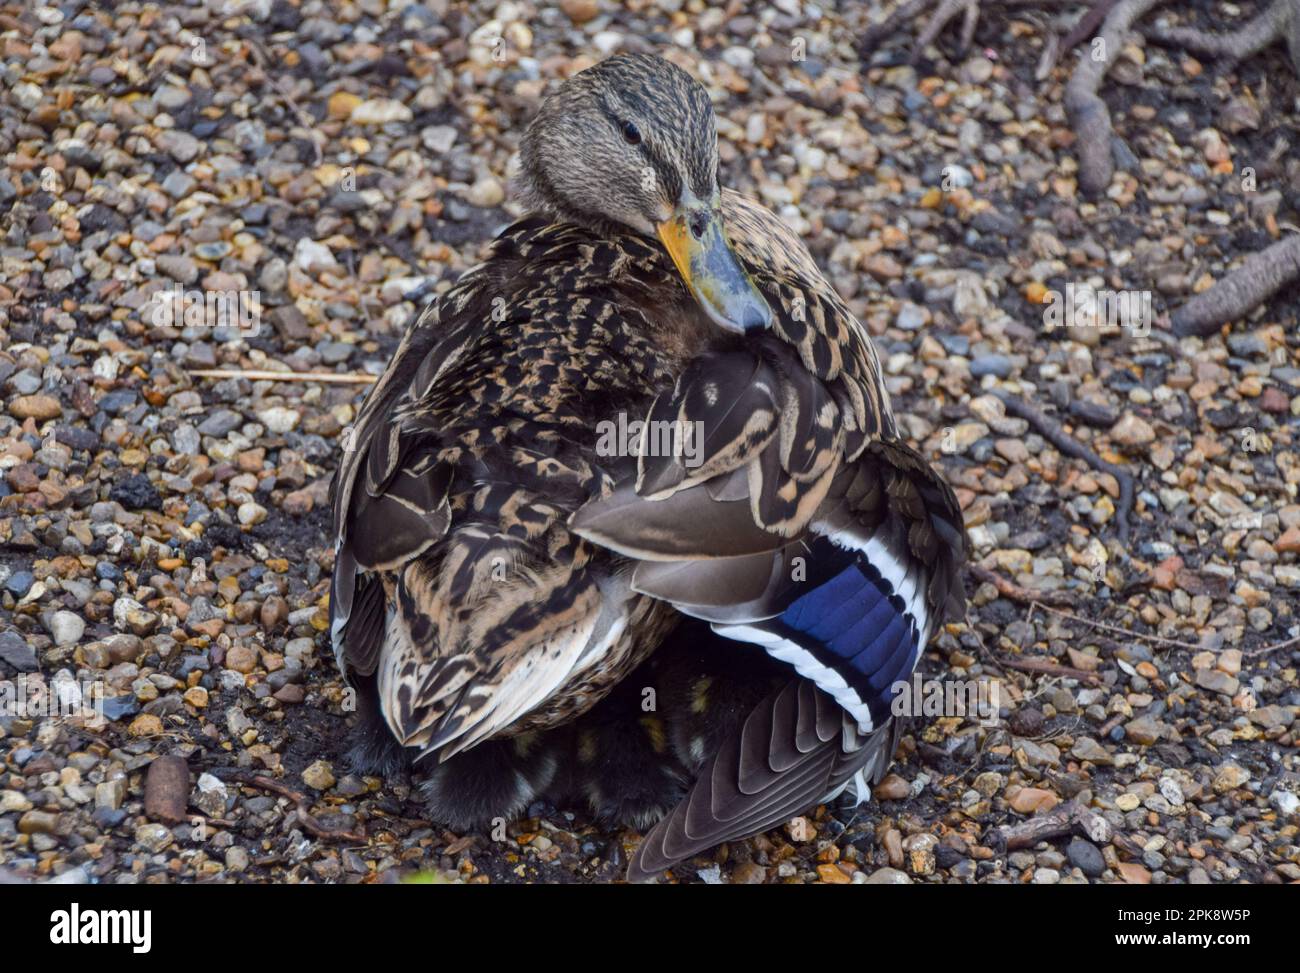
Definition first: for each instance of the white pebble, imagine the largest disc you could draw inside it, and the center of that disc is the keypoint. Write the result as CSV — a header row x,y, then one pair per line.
x,y
66,628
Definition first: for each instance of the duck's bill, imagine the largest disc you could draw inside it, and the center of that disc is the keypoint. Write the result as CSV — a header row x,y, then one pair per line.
x,y
712,271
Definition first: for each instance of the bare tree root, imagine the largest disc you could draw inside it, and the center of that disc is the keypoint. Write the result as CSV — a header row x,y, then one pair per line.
x,y
1088,113
1260,276
874,35
1067,444
947,10
1281,21
1086,27
970,11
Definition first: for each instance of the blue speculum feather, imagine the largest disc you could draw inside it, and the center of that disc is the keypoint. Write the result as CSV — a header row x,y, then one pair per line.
x,y
856,624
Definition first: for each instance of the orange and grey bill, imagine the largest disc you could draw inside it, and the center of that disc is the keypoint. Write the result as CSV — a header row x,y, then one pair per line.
x,y
712,272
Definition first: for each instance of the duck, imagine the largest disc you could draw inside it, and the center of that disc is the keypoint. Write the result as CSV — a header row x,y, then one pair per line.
x,y
691,624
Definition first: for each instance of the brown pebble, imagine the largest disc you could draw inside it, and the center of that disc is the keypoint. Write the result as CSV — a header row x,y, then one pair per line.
x,y
892,788
748,873
800,829
241,659
1274,400
211,628
167,789
124,647
580,11
1029,800
1027,722
833,875
1133,873
893,842
38,822
38,407
274,611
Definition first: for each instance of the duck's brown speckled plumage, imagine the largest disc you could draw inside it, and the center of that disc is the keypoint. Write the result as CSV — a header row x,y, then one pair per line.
x,y
479,441
467,465
497,575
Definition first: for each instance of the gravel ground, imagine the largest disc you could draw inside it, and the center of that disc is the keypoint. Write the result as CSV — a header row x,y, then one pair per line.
x,y
166,536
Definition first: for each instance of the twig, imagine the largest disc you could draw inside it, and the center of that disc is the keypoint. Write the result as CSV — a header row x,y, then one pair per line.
x,y
1061,820
1014,592
1260,276
1265,650
1044,668
1035,601
304,119
327,834
1053,433
1051,50
1110,724
226,823
301,803
877,33
260,375
275,787
1087,111
1159,640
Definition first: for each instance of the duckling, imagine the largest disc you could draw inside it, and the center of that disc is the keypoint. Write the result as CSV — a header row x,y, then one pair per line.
x,y
499,572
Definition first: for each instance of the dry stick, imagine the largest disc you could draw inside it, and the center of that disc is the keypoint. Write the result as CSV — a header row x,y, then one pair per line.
x,y
1035,601
1051,51
1110,724
1158,639
304,119
969,22
1053,433
256,375
1055,823
1045,668
215,822
1281,20
1088,113
1253,653
304,816
1014,592
970,10
1260,276
1061,820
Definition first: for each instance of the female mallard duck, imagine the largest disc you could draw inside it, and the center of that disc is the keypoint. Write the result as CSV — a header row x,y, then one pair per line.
x,y
500,569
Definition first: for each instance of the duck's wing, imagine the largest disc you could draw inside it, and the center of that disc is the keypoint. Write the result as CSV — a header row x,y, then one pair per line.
x,y
839,566
458,586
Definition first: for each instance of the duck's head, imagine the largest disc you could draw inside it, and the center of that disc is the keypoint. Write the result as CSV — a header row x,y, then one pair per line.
x,y
631,143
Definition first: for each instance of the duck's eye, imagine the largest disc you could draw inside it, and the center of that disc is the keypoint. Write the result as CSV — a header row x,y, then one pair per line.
x,y
631,134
